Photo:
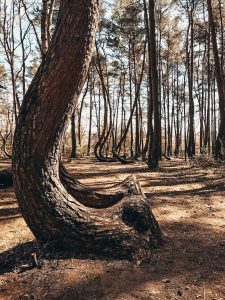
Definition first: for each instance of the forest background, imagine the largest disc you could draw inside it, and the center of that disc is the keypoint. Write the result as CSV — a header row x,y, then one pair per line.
x,y
119,116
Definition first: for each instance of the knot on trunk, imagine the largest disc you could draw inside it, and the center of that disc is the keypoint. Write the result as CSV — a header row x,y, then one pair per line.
x,y
138,216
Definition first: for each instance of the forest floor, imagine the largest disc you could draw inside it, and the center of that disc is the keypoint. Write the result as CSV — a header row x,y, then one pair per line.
x,y
188,200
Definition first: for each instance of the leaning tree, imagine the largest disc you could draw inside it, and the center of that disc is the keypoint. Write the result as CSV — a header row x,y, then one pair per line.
x,y
58,209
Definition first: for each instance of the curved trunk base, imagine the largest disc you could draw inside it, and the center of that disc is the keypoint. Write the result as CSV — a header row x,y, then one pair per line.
x,y
99,198
220,147
127,229
125,203
101,158
123,160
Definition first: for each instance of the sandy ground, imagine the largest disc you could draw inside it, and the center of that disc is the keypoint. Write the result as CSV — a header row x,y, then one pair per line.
x,y
187,200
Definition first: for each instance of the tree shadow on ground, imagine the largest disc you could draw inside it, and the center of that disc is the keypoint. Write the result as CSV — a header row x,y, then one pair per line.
x,y
205,190
117,167
194,252
9,210
193,256
13,258
200,258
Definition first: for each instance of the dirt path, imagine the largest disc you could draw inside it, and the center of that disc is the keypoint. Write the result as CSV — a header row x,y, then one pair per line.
x,y
189,203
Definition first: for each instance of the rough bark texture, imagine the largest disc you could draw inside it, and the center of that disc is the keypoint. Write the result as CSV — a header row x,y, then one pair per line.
x,y
126,229
73,153
190,62
99,198
220,141
154,152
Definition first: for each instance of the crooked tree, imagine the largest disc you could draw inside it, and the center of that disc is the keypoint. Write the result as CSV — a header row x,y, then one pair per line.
x,y
127,228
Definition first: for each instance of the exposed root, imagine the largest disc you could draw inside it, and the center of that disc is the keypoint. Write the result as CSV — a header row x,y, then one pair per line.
x,y
103,198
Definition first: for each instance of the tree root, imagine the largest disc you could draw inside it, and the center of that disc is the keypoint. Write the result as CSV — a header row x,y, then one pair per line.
x,y
102,198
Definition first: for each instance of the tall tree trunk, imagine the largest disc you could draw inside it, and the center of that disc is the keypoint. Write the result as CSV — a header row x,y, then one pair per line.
x,y
126,127
149,137
190,63
73,137
169,147
44,26
90,114
131,99
127,229
107,127
220,141
80,112
155,151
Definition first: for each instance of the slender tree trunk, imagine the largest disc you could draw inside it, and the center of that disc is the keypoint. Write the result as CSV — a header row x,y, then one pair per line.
x,y
190,62
44,26
73,137
107,126
131,99
90,115
148,145
220,141
125,132
80,111
169,148
155,152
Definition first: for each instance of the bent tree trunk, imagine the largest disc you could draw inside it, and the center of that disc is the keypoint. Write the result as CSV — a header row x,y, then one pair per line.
x,y
126,229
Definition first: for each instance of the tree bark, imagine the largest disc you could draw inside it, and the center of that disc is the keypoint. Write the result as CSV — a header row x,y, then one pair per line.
x,y
129,122
107,127
92,83
44,26
73,153
220,141
154,153
190,67
127,229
